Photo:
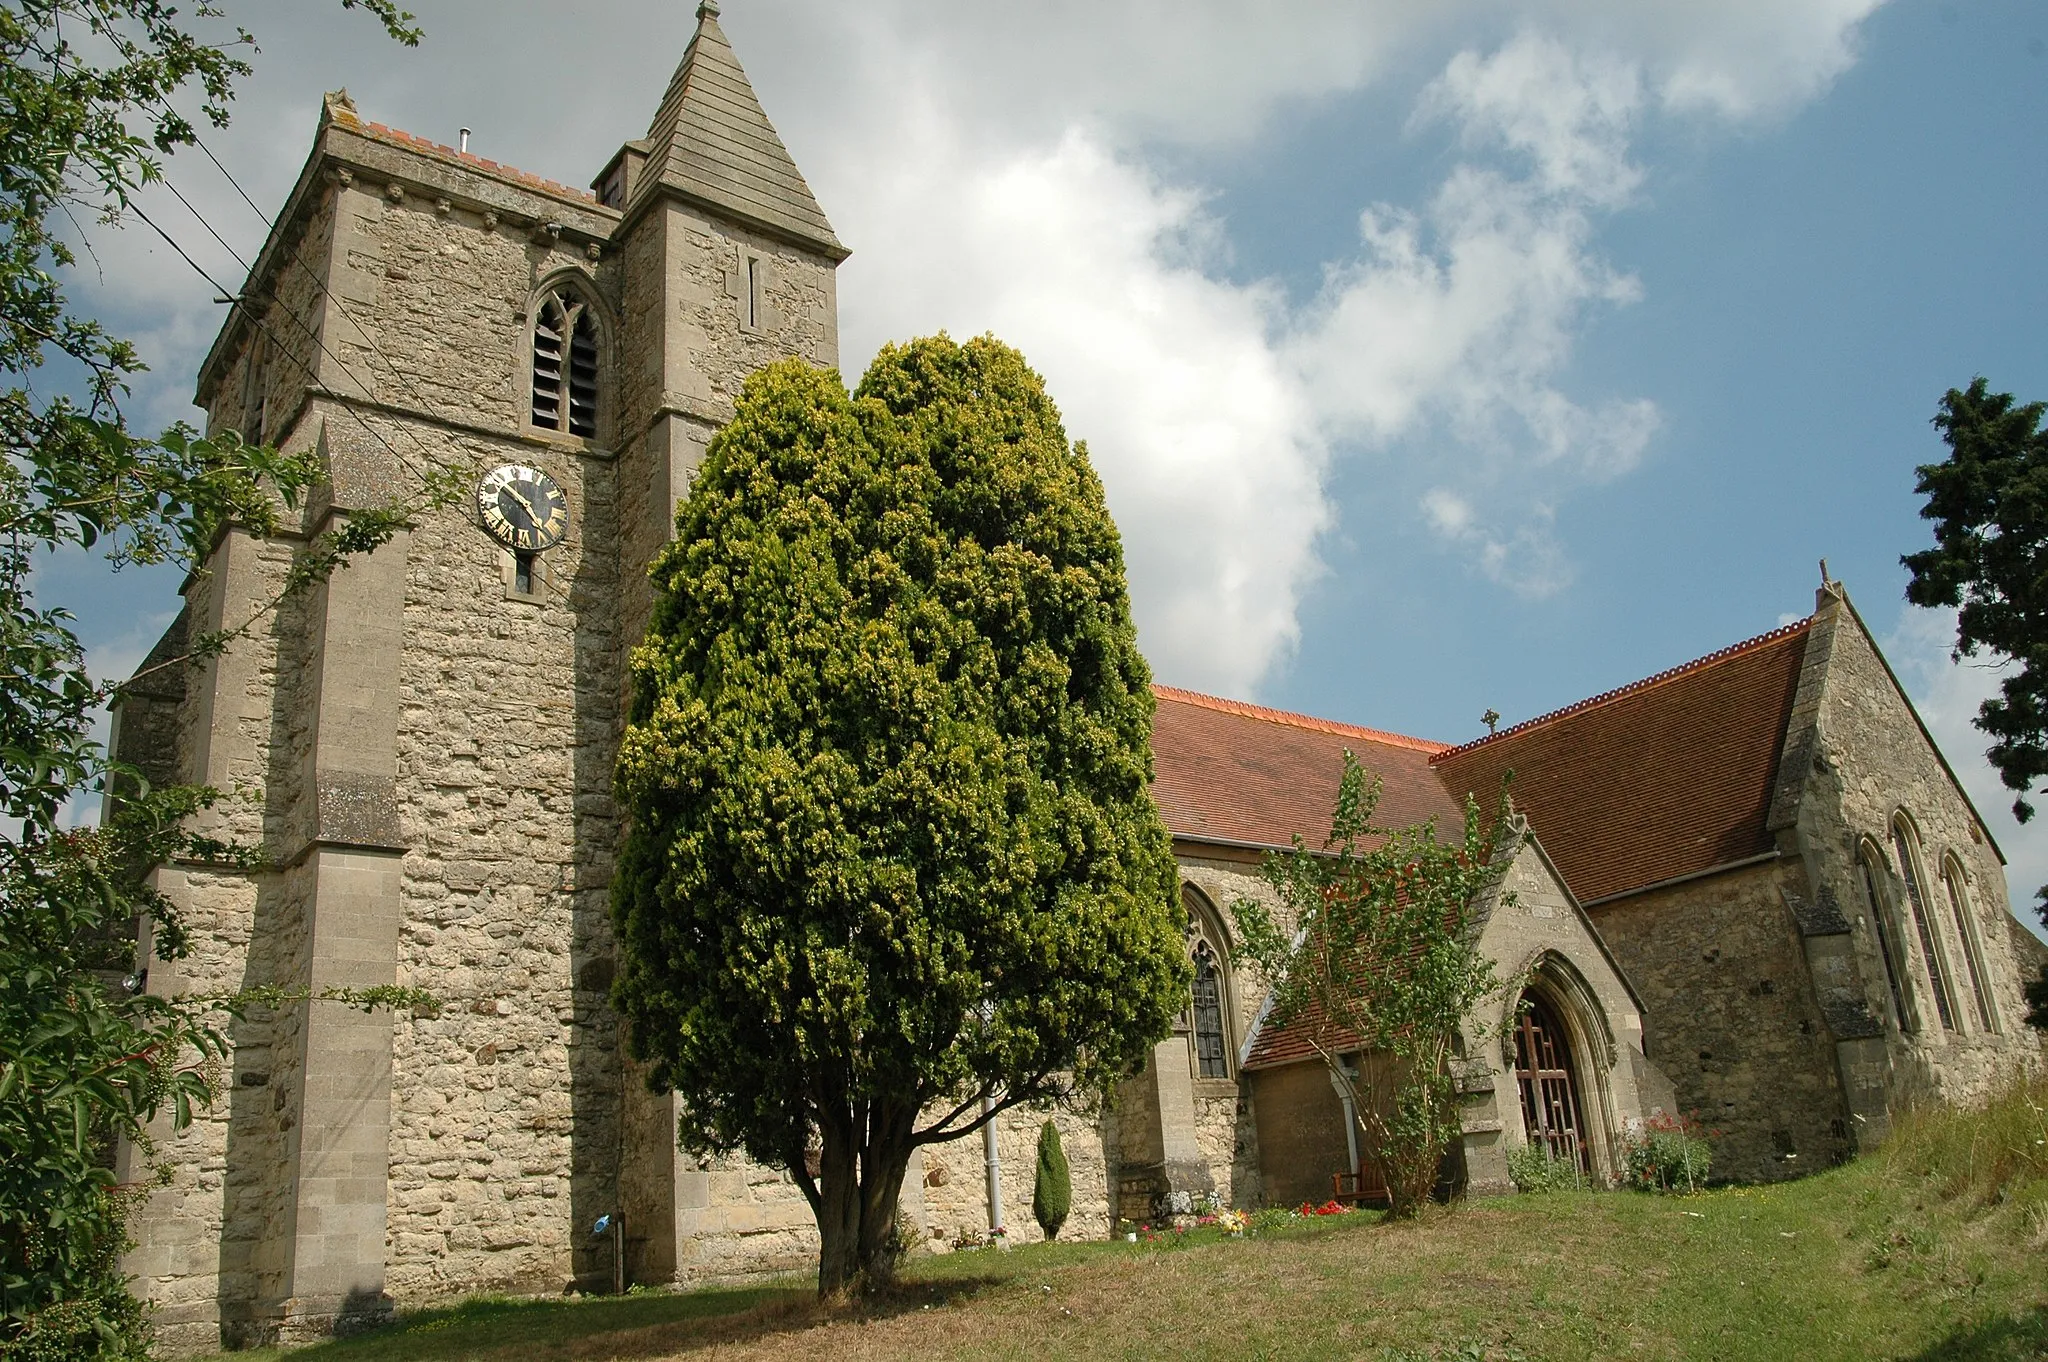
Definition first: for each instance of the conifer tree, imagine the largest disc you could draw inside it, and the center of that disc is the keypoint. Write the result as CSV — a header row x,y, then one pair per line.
x,y
892,865
1989,503
1052,1192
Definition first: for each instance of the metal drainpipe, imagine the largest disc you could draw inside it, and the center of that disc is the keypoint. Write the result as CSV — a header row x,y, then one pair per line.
x,y
995,1167
1350,1119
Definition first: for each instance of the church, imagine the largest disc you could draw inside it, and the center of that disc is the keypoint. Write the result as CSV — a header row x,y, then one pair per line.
x,y
1750,887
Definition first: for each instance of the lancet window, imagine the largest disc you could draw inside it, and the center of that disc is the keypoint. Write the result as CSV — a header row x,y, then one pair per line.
x,y
1209,1013
1966,933
1908,855
1887,942
565,365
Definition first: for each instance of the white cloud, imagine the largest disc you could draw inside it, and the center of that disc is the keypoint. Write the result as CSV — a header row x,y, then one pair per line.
x,y
1092,267
1463,316
995,167
1947,694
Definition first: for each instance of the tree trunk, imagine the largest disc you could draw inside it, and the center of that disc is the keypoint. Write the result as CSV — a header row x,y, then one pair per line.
x,y
881,1185
838,1207
859,1182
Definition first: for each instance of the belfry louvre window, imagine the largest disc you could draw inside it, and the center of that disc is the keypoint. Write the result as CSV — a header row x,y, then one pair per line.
x,y
565,366
1937,961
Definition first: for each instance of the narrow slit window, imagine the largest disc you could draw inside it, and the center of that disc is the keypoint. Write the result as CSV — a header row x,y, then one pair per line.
x,y
522,572
1923,923
753,292
1885,945
1973,960
565,367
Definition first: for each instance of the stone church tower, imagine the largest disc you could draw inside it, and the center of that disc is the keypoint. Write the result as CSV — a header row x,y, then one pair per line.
x,y
424,743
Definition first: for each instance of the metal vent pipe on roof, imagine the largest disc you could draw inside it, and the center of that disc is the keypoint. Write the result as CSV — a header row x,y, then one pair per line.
x,y
462,142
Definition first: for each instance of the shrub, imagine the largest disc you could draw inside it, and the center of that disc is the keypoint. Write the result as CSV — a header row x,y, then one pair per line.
x,y
1052,1195
1272,1218
1669,1154
1533,1168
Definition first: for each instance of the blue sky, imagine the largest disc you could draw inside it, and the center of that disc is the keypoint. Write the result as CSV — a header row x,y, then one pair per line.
x,y
1437,355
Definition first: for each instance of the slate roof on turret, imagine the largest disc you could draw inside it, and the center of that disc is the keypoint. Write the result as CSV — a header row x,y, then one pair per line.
x,y
712,142
1655,781
1239,774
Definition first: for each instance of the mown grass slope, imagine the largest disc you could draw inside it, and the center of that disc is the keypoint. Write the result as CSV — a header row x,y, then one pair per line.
x,y
1936,1248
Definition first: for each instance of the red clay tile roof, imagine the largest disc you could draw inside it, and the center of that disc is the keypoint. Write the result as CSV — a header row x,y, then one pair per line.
x,y
1228,771
1273,1045
412,142
1667,777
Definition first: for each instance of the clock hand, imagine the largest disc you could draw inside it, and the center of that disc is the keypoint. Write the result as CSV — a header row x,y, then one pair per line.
x,y
519,504
533,508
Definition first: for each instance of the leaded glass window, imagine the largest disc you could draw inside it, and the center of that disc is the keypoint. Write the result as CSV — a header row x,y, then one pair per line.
x,y
1211,1056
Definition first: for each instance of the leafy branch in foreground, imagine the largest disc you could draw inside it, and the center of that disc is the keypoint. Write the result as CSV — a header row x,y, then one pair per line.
x,y
1374,961
88,1058
86,1061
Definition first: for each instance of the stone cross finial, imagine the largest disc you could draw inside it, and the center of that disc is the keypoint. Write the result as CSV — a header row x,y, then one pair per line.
x,y
708,10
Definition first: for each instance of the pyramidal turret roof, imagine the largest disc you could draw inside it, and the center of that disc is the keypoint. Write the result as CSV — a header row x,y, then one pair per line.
x,y
711,142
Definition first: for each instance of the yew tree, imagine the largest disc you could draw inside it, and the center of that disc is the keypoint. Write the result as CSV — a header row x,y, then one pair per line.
x,y
891,865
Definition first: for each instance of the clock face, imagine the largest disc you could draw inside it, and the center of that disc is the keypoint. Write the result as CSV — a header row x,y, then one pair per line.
x,y
523,508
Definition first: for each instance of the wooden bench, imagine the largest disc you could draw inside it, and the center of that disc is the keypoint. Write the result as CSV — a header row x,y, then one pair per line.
x,y
1364,1187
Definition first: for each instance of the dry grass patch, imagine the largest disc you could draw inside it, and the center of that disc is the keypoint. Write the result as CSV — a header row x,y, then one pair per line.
x,y
1930,1252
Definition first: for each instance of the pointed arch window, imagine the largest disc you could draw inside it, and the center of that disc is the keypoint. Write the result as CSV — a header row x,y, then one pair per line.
x,y
1966,933
565,353
1905,847
1887,936
1212,1054
1209,1009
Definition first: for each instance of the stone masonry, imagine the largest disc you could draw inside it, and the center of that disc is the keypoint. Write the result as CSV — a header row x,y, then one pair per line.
x,y
421,750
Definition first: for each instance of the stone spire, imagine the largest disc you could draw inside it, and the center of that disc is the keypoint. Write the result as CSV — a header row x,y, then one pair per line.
x,y
711,143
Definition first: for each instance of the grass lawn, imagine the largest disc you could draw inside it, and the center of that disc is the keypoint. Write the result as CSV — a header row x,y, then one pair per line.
x,y
1929,1251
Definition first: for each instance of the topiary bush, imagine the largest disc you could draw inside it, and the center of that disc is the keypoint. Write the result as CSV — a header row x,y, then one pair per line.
x,y
1052,1195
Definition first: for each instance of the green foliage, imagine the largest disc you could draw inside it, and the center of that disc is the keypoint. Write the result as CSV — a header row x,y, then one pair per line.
x,y
1989,503
1378,956
88,90
1270,1219
1669,1154
1052,1190
1533,1168
892,864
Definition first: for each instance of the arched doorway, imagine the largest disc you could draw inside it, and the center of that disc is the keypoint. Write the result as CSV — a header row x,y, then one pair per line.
x,y
1549,1083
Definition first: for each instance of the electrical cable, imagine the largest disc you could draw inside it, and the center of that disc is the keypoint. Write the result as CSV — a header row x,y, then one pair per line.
x,y
430,456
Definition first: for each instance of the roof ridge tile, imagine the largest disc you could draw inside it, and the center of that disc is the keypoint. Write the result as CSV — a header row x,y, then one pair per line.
x,y
412,141
1245,709
1720,655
